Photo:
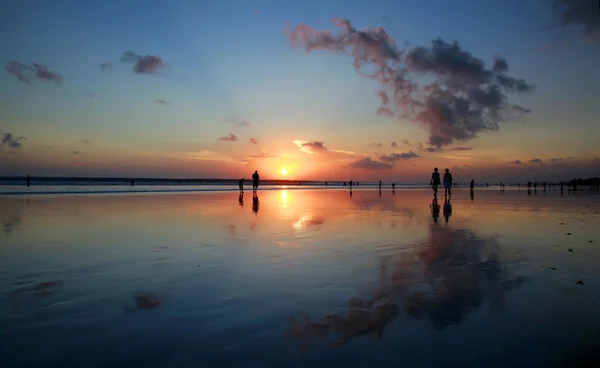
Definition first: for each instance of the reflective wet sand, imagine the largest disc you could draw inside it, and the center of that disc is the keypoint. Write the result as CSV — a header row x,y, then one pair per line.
x,y
300,277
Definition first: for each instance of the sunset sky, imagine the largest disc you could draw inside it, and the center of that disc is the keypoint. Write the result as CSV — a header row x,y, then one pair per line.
x,y
218,89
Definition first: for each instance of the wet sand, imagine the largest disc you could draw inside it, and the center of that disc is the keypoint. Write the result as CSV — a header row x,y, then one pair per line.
x,y
300,277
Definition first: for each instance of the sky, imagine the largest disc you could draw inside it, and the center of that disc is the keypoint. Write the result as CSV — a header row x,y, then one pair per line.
x,y
306,90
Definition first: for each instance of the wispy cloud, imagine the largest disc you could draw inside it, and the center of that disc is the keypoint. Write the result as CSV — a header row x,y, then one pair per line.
x,y
75,152
464,99
26,72
11,141
263,154
393,144
406,141
536,161
203,155
160,101
556,159
460,149
86,141
392,157
229,138
253,140
375,145
106,66
349,153
143,64
240,123
515,162
368,164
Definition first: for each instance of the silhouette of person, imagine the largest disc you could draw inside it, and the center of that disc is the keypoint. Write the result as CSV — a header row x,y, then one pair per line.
x,y
241,199
350,183
435,209
255,180
472,184
132,182
325,183
241,185
255,202
28,180
393,186
435,180
380,185
448,183
447,210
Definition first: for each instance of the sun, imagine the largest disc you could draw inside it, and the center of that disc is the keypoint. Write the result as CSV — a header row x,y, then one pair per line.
x,y
284,171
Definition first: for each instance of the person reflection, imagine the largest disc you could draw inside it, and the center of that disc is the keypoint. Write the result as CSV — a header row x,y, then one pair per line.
x,y
435,209
255,202
447,210
241,199
472,195
350,192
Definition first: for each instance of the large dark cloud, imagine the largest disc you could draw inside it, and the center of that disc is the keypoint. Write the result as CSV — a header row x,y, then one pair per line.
x,y
27,72
229,138
143,64
369,164
10,141
584,14
464,98
398,156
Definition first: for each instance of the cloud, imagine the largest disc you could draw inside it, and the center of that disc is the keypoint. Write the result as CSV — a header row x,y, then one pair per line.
x,y
536,161
584,14
160,101
375,145
253,140
368,164
406,141
263,154
398,156
229,138
11,141
349,153
25,73
86,141
239,123
515,162
147,64
106,66
460,149
555,159
393,144
463,99
310,147
75,152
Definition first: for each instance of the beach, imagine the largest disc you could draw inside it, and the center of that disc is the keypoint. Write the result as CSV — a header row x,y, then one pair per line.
x,y
299,277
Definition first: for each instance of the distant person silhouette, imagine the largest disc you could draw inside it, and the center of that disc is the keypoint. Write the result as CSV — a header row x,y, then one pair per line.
x,y
350,183
241,199
132,182
529,185
255,180
241,185
325,183
380,185
435,181
28,180
472,184
393,186
255,202
448,183
447,210
435,209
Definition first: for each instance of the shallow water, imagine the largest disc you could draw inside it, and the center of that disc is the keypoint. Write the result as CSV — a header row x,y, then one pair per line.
x,y
303,277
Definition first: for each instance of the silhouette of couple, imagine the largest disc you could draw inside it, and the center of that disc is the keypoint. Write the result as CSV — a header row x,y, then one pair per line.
x,y
255,181
435,182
